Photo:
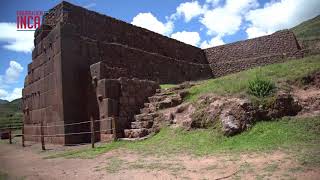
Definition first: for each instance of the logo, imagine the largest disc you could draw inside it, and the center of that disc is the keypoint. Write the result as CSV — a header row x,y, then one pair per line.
x,y
29,20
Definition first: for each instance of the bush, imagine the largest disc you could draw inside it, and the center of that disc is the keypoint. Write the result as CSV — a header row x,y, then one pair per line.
x,y
261,87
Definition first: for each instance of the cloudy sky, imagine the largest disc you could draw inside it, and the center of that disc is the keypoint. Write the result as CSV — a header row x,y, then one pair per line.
x,y
202,23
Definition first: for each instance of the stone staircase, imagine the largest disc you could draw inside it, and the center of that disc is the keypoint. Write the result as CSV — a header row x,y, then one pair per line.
x,y
147,121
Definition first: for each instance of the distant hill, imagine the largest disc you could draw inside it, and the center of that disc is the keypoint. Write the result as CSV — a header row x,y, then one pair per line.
x,y
10,107
3,101
308,30
10,113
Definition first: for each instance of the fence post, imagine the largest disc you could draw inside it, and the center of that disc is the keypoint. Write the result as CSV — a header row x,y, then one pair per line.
x,y
93,134
114,131
42,136
22,135
10,135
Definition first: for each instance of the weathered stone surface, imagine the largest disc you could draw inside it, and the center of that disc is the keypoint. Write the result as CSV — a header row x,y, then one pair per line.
x,y
108,88
284,105
135,133
108,108
142,124
238,56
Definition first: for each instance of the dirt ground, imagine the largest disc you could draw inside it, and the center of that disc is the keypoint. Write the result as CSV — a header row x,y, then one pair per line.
x,y
30,163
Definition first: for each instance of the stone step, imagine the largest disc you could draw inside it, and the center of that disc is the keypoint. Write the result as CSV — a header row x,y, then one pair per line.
x,y
168,102
146,116
141,124
156,98
135,133
147,110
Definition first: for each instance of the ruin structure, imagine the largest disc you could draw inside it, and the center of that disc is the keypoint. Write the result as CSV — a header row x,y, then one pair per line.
x,y
86,64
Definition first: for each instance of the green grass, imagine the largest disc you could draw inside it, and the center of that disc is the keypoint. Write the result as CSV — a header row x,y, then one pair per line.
x,y
114,165
238,83
287,133
10,114
308,30
3,176
15,120
167,86
9,108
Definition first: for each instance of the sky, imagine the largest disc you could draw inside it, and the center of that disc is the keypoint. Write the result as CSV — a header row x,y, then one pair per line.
x,y
201,23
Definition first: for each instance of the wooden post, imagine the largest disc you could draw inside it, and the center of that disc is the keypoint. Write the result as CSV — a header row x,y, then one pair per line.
x,y
93,133
42,136
114,131
10,135
22,135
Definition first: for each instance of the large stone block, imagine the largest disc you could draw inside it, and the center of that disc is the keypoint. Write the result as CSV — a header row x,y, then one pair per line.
x,y
108,108
108,88
106,126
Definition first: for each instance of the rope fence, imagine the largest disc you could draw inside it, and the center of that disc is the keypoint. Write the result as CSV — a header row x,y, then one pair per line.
x,y
42,135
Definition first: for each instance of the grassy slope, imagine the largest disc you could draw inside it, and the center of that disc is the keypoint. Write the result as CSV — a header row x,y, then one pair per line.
x,y
238,82
308,29
297,136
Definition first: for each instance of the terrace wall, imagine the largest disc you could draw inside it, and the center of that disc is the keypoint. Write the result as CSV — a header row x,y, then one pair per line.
x,y
242,55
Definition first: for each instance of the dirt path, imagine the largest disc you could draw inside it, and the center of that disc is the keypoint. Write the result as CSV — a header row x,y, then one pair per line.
x,y
29,163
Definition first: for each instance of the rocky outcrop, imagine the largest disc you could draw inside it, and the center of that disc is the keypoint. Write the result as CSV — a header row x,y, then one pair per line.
x,y
232,115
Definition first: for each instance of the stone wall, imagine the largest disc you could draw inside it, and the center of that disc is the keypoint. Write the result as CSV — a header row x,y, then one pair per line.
x,y
122,61
238,56
120,99
42,99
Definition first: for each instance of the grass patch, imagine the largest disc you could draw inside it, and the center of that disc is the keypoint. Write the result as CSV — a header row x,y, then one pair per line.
x,y
167,86
159,166
287,133
88,153
114,165
271,167
238,82
3,176
309,156
308,29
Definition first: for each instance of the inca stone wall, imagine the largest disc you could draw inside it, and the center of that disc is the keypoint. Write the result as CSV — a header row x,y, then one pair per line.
x,y
119,99
128,59
259,51
42,94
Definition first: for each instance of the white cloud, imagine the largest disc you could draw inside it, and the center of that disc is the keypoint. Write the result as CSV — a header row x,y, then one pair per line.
x,y
12,73
10,77
279,15
150,22
227,20
14,94
253,32
188,10
3,93
192,38
19,41
216,41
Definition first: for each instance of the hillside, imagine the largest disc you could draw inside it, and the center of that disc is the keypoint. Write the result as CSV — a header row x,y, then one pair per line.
x,y
308,30
10,113
3,101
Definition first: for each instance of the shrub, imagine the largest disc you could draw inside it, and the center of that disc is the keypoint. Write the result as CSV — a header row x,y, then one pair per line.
x,y
261,87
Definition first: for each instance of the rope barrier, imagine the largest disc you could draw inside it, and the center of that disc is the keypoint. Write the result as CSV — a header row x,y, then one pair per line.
x,y
70,124
76,133
42,134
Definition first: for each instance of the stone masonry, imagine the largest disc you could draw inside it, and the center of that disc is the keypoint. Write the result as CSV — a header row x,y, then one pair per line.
x,y
86,64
